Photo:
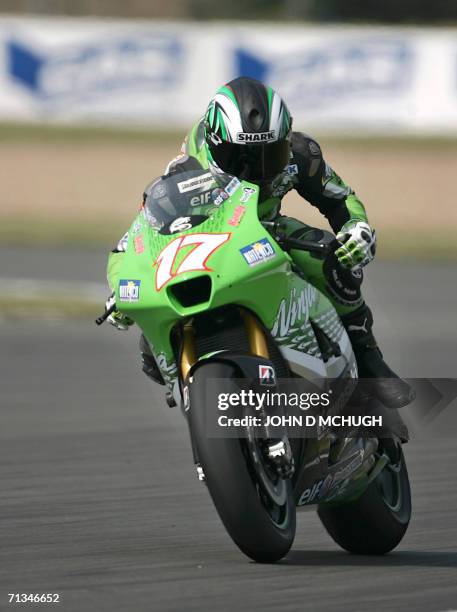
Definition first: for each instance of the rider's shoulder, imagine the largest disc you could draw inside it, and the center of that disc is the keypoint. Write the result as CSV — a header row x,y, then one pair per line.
x,y
306,153
192,156
195,139
305,144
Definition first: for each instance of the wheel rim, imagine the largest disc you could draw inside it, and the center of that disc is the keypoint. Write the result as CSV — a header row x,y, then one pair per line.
x,y
271,489
389,485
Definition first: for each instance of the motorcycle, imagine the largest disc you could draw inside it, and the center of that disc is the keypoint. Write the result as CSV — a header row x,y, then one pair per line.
x,y
222,311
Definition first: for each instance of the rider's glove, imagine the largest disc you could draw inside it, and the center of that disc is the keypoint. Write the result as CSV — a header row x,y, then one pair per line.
x,y
116,318
358,245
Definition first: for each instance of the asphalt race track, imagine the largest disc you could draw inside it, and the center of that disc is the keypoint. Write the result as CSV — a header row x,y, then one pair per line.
x,y
99,501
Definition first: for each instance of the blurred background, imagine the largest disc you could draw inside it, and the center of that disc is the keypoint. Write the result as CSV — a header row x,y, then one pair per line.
x,y
96,97
99,498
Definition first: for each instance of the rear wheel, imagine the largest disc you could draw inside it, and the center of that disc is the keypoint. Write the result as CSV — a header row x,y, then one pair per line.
x,y
255,505
375,523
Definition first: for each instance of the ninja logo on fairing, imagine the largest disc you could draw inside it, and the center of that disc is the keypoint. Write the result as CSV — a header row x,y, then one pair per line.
x,y
294,311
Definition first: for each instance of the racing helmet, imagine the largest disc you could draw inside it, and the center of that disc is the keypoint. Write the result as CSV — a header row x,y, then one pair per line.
x,y
247,133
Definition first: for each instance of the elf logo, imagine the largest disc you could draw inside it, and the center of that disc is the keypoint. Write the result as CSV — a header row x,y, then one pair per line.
x,y
311,494
267,376
246,137
201,200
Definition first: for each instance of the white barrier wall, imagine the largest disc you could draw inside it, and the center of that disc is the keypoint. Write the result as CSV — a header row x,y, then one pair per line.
x,y
160,73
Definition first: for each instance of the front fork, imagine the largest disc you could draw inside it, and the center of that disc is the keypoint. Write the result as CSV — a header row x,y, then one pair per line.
x,y
277,449
256,337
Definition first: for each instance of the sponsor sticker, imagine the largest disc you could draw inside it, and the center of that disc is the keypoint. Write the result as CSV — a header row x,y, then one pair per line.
x,y
129,290
136,227
159,191
292,169
181,224
237,216
314,148
258,252
247,193
247,137
215,138
232,186
138,244
219,196
201,199
195,183
312,493
267,376
293,311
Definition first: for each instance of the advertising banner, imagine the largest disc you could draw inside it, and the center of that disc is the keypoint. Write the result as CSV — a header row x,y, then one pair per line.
x,y
162,73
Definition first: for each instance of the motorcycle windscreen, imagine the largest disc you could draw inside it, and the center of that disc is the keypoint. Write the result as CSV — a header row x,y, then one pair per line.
x,y
180,201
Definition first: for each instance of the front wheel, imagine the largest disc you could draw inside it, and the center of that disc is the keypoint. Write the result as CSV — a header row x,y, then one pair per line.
x,y
256,506
375,523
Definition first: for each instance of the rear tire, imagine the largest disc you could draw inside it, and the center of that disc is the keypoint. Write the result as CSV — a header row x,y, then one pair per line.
x,y
375,523
261,524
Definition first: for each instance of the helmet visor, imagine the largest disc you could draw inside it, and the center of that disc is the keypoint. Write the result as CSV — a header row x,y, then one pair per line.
x,y
252,162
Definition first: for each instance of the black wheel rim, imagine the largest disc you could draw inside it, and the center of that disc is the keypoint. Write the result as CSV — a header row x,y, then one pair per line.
x,y
390,486
271,489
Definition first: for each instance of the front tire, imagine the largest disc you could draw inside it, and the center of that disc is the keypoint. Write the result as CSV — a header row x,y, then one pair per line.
x,y
375,523
257,508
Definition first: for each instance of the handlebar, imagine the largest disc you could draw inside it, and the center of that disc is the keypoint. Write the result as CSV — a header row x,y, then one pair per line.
x,y
304,245
102,318
297,243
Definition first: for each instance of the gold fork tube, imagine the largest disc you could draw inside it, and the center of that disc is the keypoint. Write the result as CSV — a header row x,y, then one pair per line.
x,y
188,355
256,336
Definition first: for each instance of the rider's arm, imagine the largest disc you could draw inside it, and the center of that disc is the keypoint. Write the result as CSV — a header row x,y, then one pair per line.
x,y
322,187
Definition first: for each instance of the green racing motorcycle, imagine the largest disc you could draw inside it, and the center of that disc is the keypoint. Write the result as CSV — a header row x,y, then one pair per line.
x,y
217,296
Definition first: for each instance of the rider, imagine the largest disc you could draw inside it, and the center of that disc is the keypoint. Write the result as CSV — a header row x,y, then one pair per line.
x,y
247,133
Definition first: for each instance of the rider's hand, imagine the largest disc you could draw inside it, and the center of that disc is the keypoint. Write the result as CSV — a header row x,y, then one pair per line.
x,y
116,318
358,245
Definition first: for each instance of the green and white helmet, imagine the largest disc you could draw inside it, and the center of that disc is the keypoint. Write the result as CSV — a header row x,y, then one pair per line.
x,y
247,132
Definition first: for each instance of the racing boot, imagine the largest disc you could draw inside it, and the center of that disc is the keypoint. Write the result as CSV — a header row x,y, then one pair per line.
x,y
383,383
150,367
